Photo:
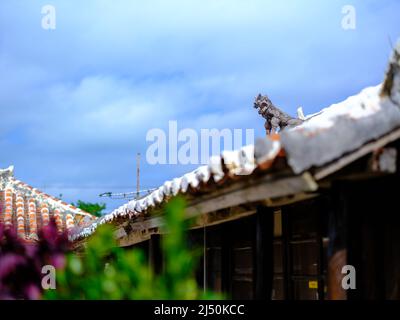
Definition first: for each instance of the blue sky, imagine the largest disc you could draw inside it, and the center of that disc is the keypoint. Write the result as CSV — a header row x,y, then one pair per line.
x,y
76,102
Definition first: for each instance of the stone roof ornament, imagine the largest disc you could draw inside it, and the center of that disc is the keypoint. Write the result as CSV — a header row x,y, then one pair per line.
x,y
274,117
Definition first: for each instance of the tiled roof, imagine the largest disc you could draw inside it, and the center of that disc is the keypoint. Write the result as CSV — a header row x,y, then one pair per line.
x,y
333,132
339,129
28,209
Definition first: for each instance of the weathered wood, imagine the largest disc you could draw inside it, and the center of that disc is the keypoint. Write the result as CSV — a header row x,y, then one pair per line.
x,y
335,276
366,149
264,255
226,255
337,232
235,195
383,161
218,217
261,189
136,236
155,254
284,201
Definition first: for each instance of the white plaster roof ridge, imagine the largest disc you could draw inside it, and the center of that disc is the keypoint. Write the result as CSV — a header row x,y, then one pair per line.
x,y
7,171
357,106
215,168
266,150
241,160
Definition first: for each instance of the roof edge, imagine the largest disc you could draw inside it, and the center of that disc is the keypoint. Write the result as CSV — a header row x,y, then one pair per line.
x,y
8,171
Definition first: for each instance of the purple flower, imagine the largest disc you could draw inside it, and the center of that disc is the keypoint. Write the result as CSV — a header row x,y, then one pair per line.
x,y
9,263
32,292
21,263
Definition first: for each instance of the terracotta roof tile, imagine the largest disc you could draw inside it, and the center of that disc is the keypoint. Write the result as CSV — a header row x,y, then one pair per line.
x,y
28,209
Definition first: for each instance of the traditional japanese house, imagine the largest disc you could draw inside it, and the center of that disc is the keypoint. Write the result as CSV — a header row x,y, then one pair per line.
x,y
281,219
28,209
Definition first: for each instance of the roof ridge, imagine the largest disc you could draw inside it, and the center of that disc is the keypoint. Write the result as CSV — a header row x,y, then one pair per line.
x,y
8,172
7,179
59,202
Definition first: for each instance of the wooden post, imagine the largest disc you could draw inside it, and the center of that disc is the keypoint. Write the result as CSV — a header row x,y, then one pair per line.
x,y
155,254
337,253
226,253
287,253
335,276
263,253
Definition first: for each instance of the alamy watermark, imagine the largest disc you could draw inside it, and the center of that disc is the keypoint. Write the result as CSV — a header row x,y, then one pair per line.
x,y
49,17
349,19
349,280
188,146
49,278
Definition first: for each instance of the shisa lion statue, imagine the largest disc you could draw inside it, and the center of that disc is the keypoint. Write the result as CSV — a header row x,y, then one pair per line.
x,y
274,117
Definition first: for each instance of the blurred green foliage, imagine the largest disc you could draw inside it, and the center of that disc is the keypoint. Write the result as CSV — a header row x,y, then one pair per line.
x,y
106,271
95,209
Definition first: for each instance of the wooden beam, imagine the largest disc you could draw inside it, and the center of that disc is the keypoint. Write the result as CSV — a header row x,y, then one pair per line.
x,y
218,217
261,189
241,193
136,236
284,201
364,150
